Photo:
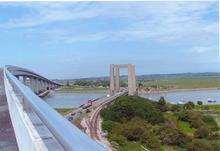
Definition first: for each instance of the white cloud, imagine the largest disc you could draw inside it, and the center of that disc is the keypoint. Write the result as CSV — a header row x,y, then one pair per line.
x,y
44,13
199,49
163,22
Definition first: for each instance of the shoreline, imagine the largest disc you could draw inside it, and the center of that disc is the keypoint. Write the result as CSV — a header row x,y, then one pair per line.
x,y
140,92
177,90
82,91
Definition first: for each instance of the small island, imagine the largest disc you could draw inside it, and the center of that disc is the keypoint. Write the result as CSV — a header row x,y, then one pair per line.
x,y
134,123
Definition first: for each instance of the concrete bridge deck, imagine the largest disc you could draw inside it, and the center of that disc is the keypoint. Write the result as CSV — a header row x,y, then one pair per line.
x,y
7,136
36,125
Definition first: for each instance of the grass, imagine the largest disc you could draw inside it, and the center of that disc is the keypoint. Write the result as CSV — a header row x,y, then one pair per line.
x,y
184,126
172,148
64,111
131,146
215,107
185,82
82,89
216,116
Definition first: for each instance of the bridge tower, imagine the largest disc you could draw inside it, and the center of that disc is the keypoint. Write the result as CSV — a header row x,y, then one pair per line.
x,y
115,78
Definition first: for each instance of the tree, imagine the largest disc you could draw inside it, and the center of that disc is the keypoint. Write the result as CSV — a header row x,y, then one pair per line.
x,y
189,105
128,107
139,130
199,102
162,101
140,84
184,116
162,104
202,132
199,145
175,108
216,146
172,136
107,125
210,122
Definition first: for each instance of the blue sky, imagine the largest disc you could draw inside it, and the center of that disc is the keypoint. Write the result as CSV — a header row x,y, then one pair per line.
x,y
81,39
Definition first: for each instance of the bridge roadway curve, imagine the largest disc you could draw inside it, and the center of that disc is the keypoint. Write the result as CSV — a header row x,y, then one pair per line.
x,y
91,121
96,104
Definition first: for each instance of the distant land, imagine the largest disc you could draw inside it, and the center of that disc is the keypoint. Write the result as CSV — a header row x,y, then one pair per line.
x,y
146,77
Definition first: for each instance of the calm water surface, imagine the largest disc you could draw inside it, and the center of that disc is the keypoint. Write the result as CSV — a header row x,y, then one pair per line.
x,y
194,96
71,100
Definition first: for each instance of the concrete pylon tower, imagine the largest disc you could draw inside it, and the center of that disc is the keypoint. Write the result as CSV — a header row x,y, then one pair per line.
x,y
131,80
112,80
115,78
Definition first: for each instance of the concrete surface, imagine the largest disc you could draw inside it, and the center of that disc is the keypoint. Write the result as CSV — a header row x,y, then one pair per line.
x,y
7,136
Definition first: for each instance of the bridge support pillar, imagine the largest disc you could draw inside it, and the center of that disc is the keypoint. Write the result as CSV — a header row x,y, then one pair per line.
x,y
112,80
26,80
44,85
40,86
21,78
32,84
35,85
131,80
115,78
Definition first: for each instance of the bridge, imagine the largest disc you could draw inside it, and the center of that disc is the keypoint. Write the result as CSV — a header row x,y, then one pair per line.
x,y
34,125
115,77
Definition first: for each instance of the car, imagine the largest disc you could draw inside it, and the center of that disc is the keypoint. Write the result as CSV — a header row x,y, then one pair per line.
x,y
73,114
70,118
87,111
211,100
86,106
81,105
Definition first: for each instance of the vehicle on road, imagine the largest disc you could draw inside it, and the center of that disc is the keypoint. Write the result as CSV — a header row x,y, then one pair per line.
x,y
211,100
73,114
81,105
86,106
70,118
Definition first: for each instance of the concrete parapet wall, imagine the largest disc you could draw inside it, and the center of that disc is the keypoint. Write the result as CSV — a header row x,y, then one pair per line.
x,y
31,133
39,127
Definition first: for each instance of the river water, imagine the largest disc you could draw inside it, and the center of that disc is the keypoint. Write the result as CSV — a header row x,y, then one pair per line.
x,y
185,96
72,100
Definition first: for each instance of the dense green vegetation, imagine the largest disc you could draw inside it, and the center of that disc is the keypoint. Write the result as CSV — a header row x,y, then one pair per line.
x,y
135,123
149,83
93,83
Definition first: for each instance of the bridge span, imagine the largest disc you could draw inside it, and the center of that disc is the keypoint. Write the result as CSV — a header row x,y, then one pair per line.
x,y
38,127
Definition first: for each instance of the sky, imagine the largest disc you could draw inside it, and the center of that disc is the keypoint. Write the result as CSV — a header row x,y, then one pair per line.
x,y
81,39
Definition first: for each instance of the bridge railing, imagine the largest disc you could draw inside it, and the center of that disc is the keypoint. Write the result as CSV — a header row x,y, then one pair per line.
x,y
68,135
